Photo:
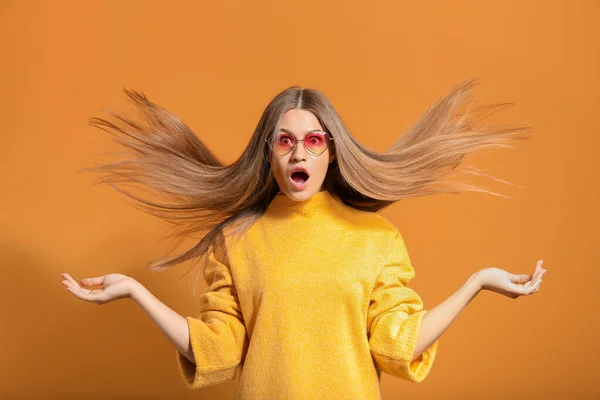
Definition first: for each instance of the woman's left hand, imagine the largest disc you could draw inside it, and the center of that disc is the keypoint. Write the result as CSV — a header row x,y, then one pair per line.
x,y
511,285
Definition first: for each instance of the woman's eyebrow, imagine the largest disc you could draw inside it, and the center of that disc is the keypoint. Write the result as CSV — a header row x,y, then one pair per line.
x,y
286,131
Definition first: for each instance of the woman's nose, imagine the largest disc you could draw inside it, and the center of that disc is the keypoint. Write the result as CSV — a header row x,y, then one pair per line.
x,y
299,152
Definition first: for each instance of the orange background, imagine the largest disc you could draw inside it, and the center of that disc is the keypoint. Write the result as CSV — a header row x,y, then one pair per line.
x,y
216,65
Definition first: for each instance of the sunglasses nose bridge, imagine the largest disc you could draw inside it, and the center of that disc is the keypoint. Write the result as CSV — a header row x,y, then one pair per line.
x,y
295,146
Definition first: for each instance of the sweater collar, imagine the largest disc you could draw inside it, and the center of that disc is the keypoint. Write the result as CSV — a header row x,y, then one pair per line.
x,y
320,203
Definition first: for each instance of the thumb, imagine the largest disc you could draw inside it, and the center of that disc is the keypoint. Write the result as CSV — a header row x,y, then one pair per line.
x,y
520,278
93,281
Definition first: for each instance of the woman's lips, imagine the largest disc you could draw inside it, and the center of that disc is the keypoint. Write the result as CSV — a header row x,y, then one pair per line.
x,y
301,180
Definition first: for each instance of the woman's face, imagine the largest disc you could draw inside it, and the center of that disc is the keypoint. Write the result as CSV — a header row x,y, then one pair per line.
x,y
299,123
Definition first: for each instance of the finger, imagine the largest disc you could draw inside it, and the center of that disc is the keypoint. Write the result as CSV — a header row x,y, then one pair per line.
x,y
93,296
520,278
74,288
70,285
80,294
538,270
520,290
539,277
539,267
76,291
537,286
97,281
70,279
67,284
523,290
534,288
533,280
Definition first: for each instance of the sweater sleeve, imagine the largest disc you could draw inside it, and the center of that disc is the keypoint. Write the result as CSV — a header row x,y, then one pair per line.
x,y
394,319
218,335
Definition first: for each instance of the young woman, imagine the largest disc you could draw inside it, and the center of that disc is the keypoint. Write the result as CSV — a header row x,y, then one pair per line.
x,y
307,284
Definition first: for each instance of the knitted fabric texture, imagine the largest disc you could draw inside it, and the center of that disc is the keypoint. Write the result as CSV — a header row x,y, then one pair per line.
x,y
311,303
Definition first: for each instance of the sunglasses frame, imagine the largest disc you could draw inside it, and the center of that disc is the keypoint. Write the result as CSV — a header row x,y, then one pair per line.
x,y
303,143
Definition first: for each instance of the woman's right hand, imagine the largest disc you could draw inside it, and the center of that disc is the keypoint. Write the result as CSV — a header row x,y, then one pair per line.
x,y
114,287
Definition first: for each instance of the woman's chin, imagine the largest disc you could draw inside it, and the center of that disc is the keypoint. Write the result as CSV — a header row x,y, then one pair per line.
x,y
300,194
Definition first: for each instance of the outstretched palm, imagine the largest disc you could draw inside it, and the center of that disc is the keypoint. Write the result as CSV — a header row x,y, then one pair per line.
x,y
511,285
114,286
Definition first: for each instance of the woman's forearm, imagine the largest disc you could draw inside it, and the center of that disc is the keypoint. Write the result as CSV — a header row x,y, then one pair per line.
x,y
174,326
439,318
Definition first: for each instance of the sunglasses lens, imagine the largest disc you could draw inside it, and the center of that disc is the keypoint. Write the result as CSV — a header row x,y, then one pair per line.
x,y
316,143
282,143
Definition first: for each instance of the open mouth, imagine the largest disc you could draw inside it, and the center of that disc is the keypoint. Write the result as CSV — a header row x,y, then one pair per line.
x,y
299,177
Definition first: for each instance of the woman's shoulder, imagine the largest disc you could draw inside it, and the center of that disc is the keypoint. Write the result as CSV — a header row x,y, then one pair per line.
x,y
371,220
384,223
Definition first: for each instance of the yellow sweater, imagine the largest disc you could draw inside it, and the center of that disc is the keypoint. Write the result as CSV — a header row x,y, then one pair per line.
x,y
312,303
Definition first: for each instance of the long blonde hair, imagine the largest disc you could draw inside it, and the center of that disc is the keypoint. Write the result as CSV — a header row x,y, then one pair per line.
x,y
201,194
